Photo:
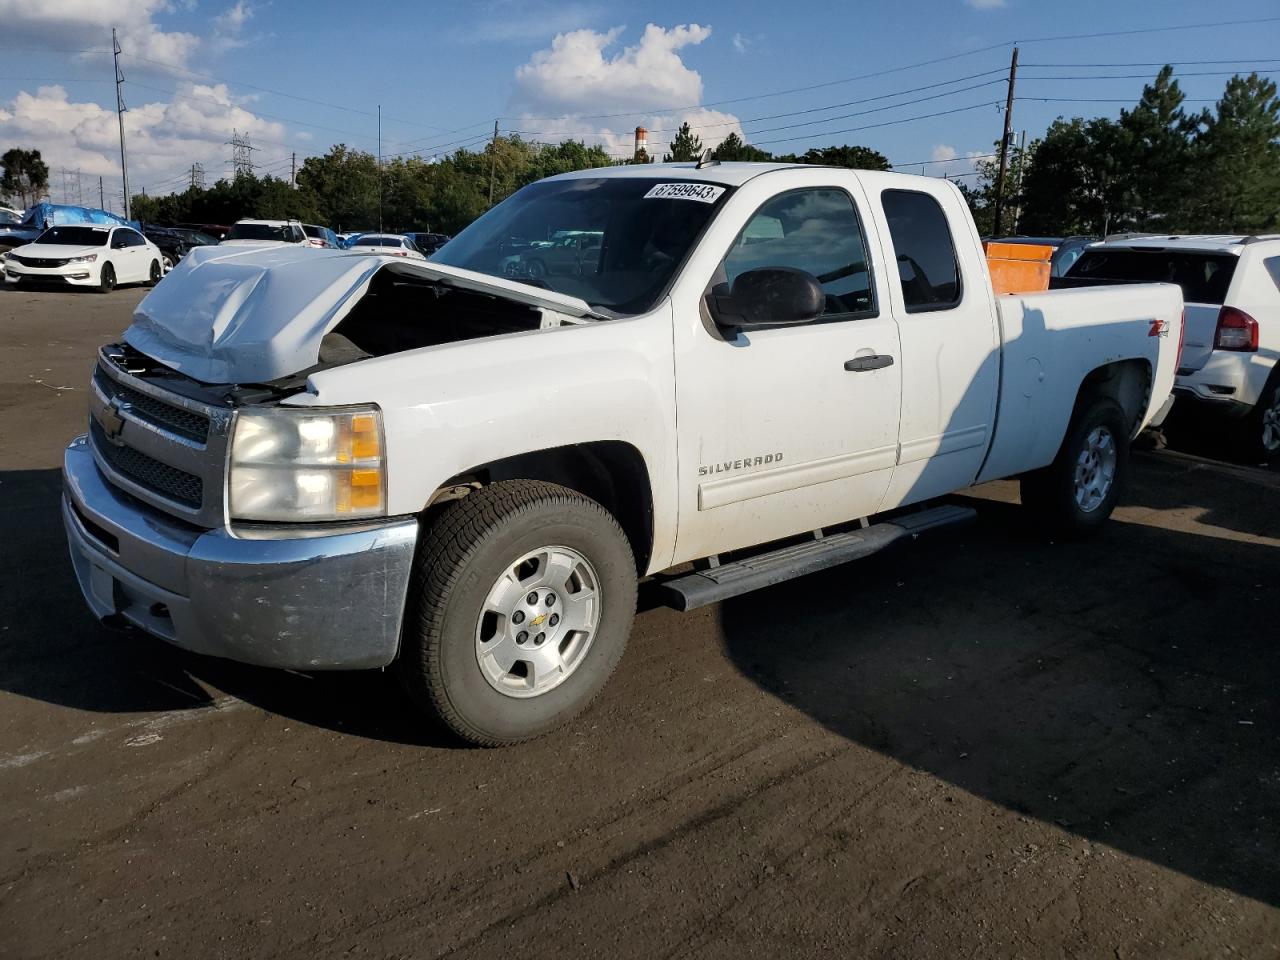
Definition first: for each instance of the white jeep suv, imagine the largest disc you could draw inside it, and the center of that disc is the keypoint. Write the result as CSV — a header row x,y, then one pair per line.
x,y
1231,285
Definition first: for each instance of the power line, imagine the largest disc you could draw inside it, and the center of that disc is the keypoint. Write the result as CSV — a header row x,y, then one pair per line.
x,y
279,93
265,116
1130,33
910,66
1162,63
792,126
886,123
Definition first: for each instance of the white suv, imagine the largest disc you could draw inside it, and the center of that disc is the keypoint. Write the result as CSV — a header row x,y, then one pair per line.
x,y
277,233
1231,285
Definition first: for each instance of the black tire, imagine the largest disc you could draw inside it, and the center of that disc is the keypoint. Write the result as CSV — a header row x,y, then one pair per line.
x,y
536,269
107,282
461,554
1258,436
1051,493
156,273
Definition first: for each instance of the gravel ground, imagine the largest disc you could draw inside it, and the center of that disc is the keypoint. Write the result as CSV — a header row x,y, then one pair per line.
x,y
982,744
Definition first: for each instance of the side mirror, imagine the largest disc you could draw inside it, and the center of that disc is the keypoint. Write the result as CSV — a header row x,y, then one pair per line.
x,y
767,297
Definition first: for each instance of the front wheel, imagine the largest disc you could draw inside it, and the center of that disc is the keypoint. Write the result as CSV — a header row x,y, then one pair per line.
x,y
520,606
1076,494
156,273
107,282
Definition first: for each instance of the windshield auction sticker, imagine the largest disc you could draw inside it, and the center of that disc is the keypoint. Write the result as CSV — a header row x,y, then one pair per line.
x,y
702,192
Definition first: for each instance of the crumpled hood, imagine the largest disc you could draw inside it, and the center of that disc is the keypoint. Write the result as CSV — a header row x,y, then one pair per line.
x,y
253,314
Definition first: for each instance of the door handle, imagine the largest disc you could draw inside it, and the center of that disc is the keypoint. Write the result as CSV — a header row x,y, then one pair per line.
x,y
877,361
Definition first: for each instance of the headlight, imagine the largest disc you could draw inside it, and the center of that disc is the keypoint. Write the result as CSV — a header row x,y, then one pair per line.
x,y
88,258
308,464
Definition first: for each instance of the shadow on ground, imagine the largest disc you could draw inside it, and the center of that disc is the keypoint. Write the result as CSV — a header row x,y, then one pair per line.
x,y
53,649
1124,688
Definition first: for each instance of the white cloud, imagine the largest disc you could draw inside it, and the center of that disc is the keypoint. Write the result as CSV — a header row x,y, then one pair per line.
x,y
576,74
944,151
85,25
740,43
582,76
164,138
228,27
987,4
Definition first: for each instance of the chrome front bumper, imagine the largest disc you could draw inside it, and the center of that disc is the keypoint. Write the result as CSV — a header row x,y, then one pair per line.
x,y
308,599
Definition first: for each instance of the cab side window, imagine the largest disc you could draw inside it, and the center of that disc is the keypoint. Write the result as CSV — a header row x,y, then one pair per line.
x,y
815,230
925,253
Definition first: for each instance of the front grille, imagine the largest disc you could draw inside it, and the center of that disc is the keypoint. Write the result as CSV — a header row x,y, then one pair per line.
x,y
37,261
160,478
184,423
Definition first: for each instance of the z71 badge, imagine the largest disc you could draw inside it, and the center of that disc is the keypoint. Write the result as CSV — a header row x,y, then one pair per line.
x,y
728,466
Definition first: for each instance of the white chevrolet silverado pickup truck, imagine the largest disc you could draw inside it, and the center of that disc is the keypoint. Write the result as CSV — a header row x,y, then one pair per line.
x,y
460,469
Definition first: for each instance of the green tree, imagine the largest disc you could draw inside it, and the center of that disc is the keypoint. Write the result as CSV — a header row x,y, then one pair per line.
x,y
733,147
1155,143
1237,175
686,146
853,157
25,176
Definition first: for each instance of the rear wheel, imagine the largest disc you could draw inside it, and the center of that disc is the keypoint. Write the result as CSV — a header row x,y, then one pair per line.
x,y
1076,494
107,282
520,607
156,273
1259,440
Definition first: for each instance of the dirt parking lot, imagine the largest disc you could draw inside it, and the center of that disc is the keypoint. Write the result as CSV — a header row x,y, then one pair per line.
x,y
979,745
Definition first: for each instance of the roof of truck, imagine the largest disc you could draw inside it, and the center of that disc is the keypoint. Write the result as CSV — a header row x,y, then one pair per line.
x,y
733,174
1216,243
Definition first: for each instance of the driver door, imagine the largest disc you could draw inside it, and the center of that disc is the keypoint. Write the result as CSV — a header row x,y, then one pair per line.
x,y
782,430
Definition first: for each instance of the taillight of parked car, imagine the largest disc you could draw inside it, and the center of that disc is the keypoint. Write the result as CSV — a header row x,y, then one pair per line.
x,y
1236,331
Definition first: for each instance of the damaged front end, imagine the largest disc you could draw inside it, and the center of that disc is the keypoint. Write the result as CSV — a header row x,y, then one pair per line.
x,y
257,316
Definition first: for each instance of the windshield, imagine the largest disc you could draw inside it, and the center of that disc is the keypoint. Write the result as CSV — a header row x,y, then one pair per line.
x,y
615,243
262,231
76,236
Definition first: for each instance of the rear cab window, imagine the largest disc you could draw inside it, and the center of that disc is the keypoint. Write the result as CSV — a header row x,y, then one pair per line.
x,y
1204,276
924,250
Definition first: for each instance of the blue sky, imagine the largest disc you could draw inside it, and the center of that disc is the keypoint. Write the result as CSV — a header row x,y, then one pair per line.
x,y
298,77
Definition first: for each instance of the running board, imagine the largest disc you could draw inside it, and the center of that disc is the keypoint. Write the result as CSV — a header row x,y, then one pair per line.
x,y
690,591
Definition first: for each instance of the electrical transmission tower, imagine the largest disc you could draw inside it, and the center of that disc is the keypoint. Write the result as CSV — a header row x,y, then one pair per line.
x,y
241,154
197,176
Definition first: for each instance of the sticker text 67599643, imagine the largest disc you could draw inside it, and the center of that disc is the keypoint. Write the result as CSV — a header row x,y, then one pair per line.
x,y
702,192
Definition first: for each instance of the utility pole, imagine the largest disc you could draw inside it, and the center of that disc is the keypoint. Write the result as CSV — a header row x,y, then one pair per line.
x,y
102,197
120,108
493,161
379,168
1022,169
293,169
1004,143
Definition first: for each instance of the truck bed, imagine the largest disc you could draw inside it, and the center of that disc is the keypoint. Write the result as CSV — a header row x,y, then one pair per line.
x,y
1053,340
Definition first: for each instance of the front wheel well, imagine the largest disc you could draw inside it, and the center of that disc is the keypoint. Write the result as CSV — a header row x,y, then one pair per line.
x,y
610,472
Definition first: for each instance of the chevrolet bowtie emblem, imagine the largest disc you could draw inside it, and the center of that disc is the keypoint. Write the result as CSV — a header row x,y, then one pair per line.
x,y
110,420
537,621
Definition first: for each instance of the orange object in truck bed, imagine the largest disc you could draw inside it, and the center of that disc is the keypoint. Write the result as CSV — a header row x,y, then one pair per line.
x,y
1018,267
